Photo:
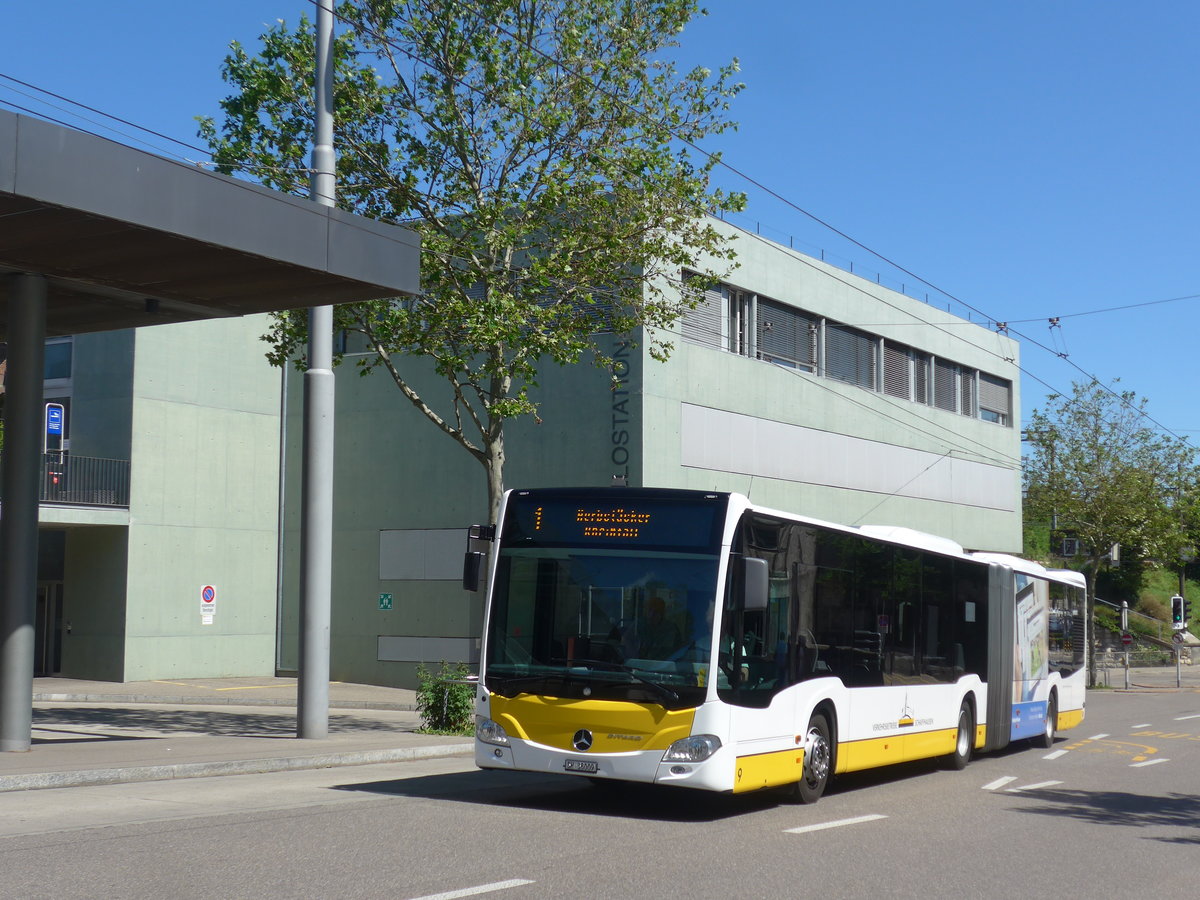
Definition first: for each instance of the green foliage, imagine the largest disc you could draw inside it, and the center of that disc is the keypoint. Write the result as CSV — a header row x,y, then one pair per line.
x,y
446,704
1125,582
1157,587
546,152
1036,541
1098,470
1096,466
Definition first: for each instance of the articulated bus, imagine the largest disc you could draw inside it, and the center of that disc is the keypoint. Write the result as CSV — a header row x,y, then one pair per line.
x,y
696,639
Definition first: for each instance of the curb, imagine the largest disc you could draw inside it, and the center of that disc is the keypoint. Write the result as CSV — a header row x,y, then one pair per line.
x,y
46,780
214,701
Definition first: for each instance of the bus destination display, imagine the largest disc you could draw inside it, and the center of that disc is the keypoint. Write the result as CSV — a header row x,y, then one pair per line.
x,y
578,521
615,523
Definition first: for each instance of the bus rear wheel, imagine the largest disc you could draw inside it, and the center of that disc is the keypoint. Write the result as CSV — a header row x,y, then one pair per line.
x,y
964,739
818,761
1046,738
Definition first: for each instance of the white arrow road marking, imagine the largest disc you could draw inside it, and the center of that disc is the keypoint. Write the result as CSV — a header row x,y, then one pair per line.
x,y
480,889
1033,787
838,824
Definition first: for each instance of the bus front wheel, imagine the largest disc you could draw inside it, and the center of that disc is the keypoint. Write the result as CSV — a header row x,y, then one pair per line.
x,y
818,761
964,739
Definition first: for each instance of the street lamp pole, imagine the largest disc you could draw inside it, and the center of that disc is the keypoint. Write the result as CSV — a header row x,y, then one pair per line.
x,y
316,538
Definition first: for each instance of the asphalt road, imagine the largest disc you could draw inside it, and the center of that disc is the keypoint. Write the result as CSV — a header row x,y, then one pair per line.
x,y
1113,810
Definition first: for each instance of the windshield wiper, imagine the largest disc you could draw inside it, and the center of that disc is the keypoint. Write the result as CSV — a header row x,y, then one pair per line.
x,y
607,666
511,681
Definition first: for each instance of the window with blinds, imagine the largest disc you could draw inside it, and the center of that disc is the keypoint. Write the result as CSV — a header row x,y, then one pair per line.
x,y
945,385
966,392
850,355
752,325
706,323
786,336
905,372
921,378
995,399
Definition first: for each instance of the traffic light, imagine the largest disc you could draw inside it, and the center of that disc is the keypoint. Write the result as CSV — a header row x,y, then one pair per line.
x,y
1178,613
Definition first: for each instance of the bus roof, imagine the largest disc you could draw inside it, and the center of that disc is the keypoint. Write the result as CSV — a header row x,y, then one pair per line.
x,y
892,534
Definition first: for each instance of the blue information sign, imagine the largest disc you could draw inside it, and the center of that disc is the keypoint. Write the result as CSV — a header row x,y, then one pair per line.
x,y
55,427
54,419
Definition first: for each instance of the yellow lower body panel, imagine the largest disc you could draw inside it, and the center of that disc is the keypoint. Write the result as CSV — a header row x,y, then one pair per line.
x,y
1069,718
856,755
765,770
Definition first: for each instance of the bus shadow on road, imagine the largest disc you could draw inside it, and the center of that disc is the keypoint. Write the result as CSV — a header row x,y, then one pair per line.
x,y
569,794
566,793
1124,809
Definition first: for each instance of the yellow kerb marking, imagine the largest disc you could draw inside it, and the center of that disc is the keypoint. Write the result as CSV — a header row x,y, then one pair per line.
x,y
240,687
254,687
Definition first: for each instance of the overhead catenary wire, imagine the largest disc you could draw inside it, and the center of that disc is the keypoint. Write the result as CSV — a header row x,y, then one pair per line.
x,y
792,205
766,189
851,284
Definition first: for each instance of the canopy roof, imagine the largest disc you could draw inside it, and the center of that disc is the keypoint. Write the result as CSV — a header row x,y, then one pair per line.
x,y
126,238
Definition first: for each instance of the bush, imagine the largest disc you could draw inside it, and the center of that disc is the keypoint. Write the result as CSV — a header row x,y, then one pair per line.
x,y
445,703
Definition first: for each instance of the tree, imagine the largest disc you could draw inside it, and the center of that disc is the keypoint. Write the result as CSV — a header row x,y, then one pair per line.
x,y
1097,468
545,150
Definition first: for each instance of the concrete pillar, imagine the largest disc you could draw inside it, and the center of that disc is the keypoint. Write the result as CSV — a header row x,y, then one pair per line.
x,y
20,479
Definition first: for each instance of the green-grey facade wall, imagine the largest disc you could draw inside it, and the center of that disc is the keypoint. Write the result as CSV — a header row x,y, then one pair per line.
x,y
396,473
204,438
907,452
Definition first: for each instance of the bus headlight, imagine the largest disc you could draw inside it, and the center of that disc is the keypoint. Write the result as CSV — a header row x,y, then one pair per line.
x,y
490,732
694,749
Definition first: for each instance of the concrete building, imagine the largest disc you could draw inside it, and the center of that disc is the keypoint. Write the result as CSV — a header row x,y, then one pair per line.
x,y
170,484
806,387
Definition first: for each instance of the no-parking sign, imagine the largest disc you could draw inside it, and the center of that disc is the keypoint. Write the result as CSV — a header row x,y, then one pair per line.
x,y
208,604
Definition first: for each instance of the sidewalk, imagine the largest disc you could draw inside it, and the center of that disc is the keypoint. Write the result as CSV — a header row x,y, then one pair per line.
x,y
88,732
1150,678
92,732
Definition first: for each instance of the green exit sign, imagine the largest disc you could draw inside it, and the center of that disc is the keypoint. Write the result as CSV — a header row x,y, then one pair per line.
x,y
385,601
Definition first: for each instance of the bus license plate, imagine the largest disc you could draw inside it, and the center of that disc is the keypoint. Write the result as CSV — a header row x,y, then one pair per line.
x,y
580,765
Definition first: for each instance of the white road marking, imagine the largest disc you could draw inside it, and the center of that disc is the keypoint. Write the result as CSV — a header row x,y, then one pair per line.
x,y
1097,737
1149,762
838,824
1033,787
473,891
1000,782
1055,755
1184,718
1143,725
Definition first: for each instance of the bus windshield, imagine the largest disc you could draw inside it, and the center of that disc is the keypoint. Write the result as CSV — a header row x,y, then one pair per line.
x,y
604,601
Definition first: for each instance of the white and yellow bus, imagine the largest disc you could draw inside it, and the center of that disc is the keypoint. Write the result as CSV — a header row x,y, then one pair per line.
x,y
697,639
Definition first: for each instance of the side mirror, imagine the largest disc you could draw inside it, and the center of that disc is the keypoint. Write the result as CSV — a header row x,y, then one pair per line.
x,y
473,564
475,560
755,584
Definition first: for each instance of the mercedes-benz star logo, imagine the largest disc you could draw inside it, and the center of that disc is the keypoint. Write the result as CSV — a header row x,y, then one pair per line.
x,y
582,741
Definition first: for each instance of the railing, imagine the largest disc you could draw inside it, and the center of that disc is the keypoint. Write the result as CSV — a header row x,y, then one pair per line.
x,y
84,480
1155,629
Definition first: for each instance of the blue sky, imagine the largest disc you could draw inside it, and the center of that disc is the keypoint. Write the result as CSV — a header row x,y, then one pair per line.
x,y
1031,159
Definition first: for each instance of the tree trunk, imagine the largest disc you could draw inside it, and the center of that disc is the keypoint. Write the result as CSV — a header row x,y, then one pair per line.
x,y
493,461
